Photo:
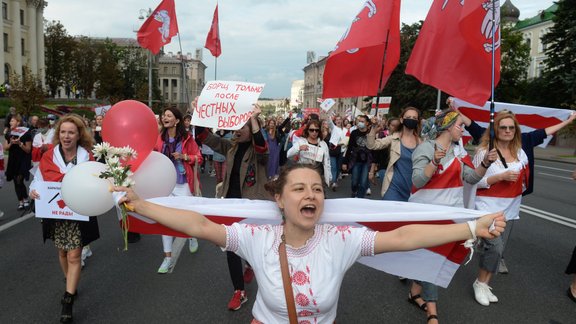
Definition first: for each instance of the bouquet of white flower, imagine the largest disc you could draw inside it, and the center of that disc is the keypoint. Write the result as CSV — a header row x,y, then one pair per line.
x,y
117,172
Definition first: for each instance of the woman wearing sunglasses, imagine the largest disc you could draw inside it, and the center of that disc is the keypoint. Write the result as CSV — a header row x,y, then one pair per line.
x,y
311,149
500,189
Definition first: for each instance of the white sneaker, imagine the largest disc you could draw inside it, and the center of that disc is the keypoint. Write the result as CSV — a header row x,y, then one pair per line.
x,y
1,214
86,252
193,245
166,265
368,192
482,293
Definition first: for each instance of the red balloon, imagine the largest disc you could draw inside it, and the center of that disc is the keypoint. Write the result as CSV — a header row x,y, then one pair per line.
x,y
131,123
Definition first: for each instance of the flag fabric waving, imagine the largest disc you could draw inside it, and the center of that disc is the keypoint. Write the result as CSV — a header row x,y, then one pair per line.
x,y
213,38
354,68
159,28
453,51
529,117
436,265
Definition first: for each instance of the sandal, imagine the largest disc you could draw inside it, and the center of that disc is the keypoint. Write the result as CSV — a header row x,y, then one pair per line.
x,y
412,300
431,317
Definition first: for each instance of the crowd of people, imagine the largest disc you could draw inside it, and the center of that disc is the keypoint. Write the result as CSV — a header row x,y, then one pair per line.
x,y
296,163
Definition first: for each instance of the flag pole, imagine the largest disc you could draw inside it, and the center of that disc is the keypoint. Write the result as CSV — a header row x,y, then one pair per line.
x,y
381,73
215,68
184,76
492,131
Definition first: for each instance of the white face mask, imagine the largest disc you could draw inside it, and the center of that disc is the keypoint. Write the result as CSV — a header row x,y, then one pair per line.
x,y
51,122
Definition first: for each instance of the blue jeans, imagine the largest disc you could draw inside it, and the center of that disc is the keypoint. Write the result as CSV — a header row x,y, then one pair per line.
x,y
360,179
335,165
429,291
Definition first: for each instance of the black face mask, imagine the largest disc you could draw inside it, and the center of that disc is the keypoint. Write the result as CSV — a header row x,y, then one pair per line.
x,y
410,123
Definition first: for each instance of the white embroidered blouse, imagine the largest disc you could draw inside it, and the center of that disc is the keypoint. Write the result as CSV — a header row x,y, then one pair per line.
x,y
316,269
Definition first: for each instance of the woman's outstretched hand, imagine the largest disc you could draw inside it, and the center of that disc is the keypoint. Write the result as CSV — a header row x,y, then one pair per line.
x,y
484,227
130,200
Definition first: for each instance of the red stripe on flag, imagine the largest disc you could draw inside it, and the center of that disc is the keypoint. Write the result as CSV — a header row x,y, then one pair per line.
x,y
454,251
137,225
530,120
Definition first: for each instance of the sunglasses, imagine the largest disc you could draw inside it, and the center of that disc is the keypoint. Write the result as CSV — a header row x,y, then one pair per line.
x,y
504,128
313,129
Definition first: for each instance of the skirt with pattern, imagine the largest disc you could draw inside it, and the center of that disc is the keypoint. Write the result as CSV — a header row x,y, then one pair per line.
x,y
66,235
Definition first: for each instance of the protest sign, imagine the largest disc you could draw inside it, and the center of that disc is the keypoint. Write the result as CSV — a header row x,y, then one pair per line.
x,y
100,111
226,104
51,204
311,110
327,104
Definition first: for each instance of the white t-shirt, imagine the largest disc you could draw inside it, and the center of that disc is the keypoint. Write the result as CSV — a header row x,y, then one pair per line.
x,y
316,269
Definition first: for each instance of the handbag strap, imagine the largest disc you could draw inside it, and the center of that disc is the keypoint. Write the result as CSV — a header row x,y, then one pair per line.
x,y
287,283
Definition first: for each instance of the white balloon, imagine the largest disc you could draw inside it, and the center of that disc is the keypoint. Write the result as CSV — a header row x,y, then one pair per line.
x,y
156,176
84,192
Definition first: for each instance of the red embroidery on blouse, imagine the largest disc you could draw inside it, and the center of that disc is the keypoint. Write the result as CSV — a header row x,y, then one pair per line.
x,y
302,300
343,230
300,278
305,313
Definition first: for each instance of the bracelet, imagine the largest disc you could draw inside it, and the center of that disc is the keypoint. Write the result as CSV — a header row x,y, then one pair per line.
x,y
472,227
434,163
484,165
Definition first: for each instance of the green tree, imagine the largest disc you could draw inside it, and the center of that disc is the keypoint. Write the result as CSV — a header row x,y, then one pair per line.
x,y
134,71
26,91
59,47
560,42
515,59
110,78
85,60
404,89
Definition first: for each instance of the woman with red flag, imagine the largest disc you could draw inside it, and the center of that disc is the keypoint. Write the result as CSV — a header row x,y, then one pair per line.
x,y
178,145
500,189
72,145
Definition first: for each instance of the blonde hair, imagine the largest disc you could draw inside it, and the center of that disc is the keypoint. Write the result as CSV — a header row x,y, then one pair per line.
x,y
516,143
85,139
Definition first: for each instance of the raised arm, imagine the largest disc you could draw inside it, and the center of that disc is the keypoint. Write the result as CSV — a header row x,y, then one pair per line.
x,y
553,129
412,237
188,222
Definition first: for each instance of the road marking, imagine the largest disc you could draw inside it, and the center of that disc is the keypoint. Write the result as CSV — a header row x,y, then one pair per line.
x,y
553,175
16,221
551,168
549,216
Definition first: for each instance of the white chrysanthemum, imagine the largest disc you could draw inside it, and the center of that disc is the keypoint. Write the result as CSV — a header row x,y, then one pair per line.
x,y
128,153
113,161
101,150
114,151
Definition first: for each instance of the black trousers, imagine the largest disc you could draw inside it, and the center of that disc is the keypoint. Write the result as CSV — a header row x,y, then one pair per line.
x,y
20,187
235,269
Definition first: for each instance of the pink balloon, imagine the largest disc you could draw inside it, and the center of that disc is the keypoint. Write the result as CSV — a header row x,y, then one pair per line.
x,y
131,123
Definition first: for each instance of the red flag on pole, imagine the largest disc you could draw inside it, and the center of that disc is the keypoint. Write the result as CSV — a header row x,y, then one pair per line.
x,y
213,38
453,50
354,68
159,28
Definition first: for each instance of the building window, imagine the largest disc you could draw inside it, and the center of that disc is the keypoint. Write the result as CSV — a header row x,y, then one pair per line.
x,y
6,73
22,45
165,70
5,42
174,83
173,70
21,17
5,10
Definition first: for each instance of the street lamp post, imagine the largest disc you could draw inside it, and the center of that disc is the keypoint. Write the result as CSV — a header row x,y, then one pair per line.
x,y
143,13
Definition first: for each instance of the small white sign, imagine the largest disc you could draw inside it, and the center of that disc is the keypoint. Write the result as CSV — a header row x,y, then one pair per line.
x,y
18,131
327,104
226,104
51,205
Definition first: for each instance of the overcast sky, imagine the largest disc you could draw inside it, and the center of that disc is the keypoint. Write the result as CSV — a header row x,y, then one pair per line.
x,y
263,41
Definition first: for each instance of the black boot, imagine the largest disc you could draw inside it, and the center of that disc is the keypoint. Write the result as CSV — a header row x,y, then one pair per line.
x,y
67,302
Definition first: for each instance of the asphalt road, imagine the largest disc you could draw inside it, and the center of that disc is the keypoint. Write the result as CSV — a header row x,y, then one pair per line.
x,y
123,287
